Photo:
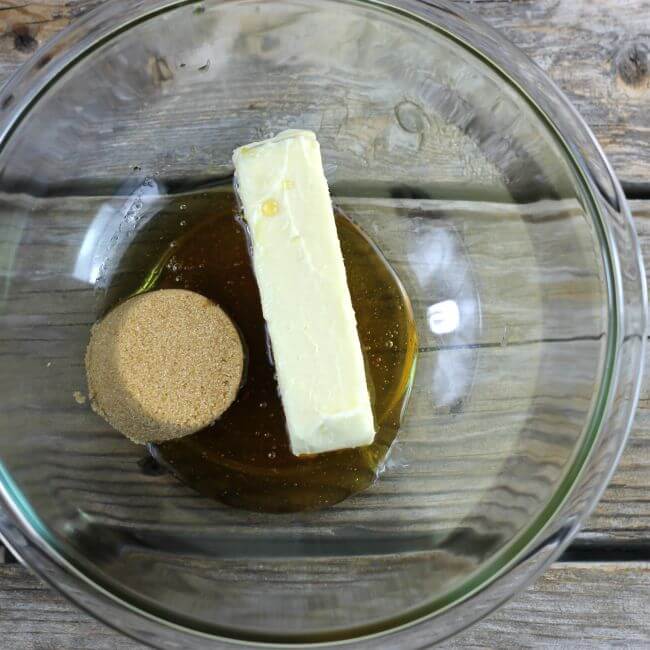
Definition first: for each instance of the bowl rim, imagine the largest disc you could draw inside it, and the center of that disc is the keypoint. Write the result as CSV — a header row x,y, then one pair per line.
x,y
521,560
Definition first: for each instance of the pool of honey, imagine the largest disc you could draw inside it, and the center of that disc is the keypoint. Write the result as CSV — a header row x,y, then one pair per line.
x,y
244,458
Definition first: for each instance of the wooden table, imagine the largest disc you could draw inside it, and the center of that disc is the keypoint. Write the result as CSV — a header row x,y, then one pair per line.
x,y
598,595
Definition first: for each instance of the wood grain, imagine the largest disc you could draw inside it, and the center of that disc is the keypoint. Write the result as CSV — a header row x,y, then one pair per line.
x,y
598,53
485,466
34,617
477,429
470,469
599,57
623,513
93,471
571,605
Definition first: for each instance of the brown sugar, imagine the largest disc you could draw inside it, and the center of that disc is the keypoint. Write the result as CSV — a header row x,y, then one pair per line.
x,y
163,365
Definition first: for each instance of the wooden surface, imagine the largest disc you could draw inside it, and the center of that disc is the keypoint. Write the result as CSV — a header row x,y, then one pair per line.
x,y
571,606
598,51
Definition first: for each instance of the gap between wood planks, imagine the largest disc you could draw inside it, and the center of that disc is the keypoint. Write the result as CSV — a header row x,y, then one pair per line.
x,y
579,551
636,191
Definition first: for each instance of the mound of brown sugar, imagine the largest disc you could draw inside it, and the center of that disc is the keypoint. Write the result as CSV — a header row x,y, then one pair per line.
x,y
163,365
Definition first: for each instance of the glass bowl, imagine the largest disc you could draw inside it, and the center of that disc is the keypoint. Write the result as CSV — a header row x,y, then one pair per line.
x,y
489,197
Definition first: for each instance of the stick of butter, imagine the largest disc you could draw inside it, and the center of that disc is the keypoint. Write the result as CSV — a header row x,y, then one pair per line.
x,y
305,296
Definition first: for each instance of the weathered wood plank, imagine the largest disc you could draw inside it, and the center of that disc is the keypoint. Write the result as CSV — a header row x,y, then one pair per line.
x,y
33,616
475,428
623,513
425,490
40,333
571,604
24,26
598,53
578,605
599,57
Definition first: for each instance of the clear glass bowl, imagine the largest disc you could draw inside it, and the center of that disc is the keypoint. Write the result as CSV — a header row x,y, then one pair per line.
x,y
479,183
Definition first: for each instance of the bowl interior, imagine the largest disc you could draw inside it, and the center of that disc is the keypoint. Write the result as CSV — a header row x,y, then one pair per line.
x,y
461,184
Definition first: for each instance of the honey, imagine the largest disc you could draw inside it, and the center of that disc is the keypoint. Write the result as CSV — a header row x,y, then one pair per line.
x,y
270,208
244,458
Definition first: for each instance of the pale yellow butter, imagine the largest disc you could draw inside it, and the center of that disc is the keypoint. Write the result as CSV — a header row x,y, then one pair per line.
x,y
305,296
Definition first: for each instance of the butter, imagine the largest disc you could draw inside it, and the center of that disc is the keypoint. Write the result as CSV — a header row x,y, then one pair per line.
x,y
305,296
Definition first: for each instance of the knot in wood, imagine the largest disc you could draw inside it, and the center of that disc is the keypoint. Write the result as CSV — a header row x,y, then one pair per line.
x,y
23,40
632,63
